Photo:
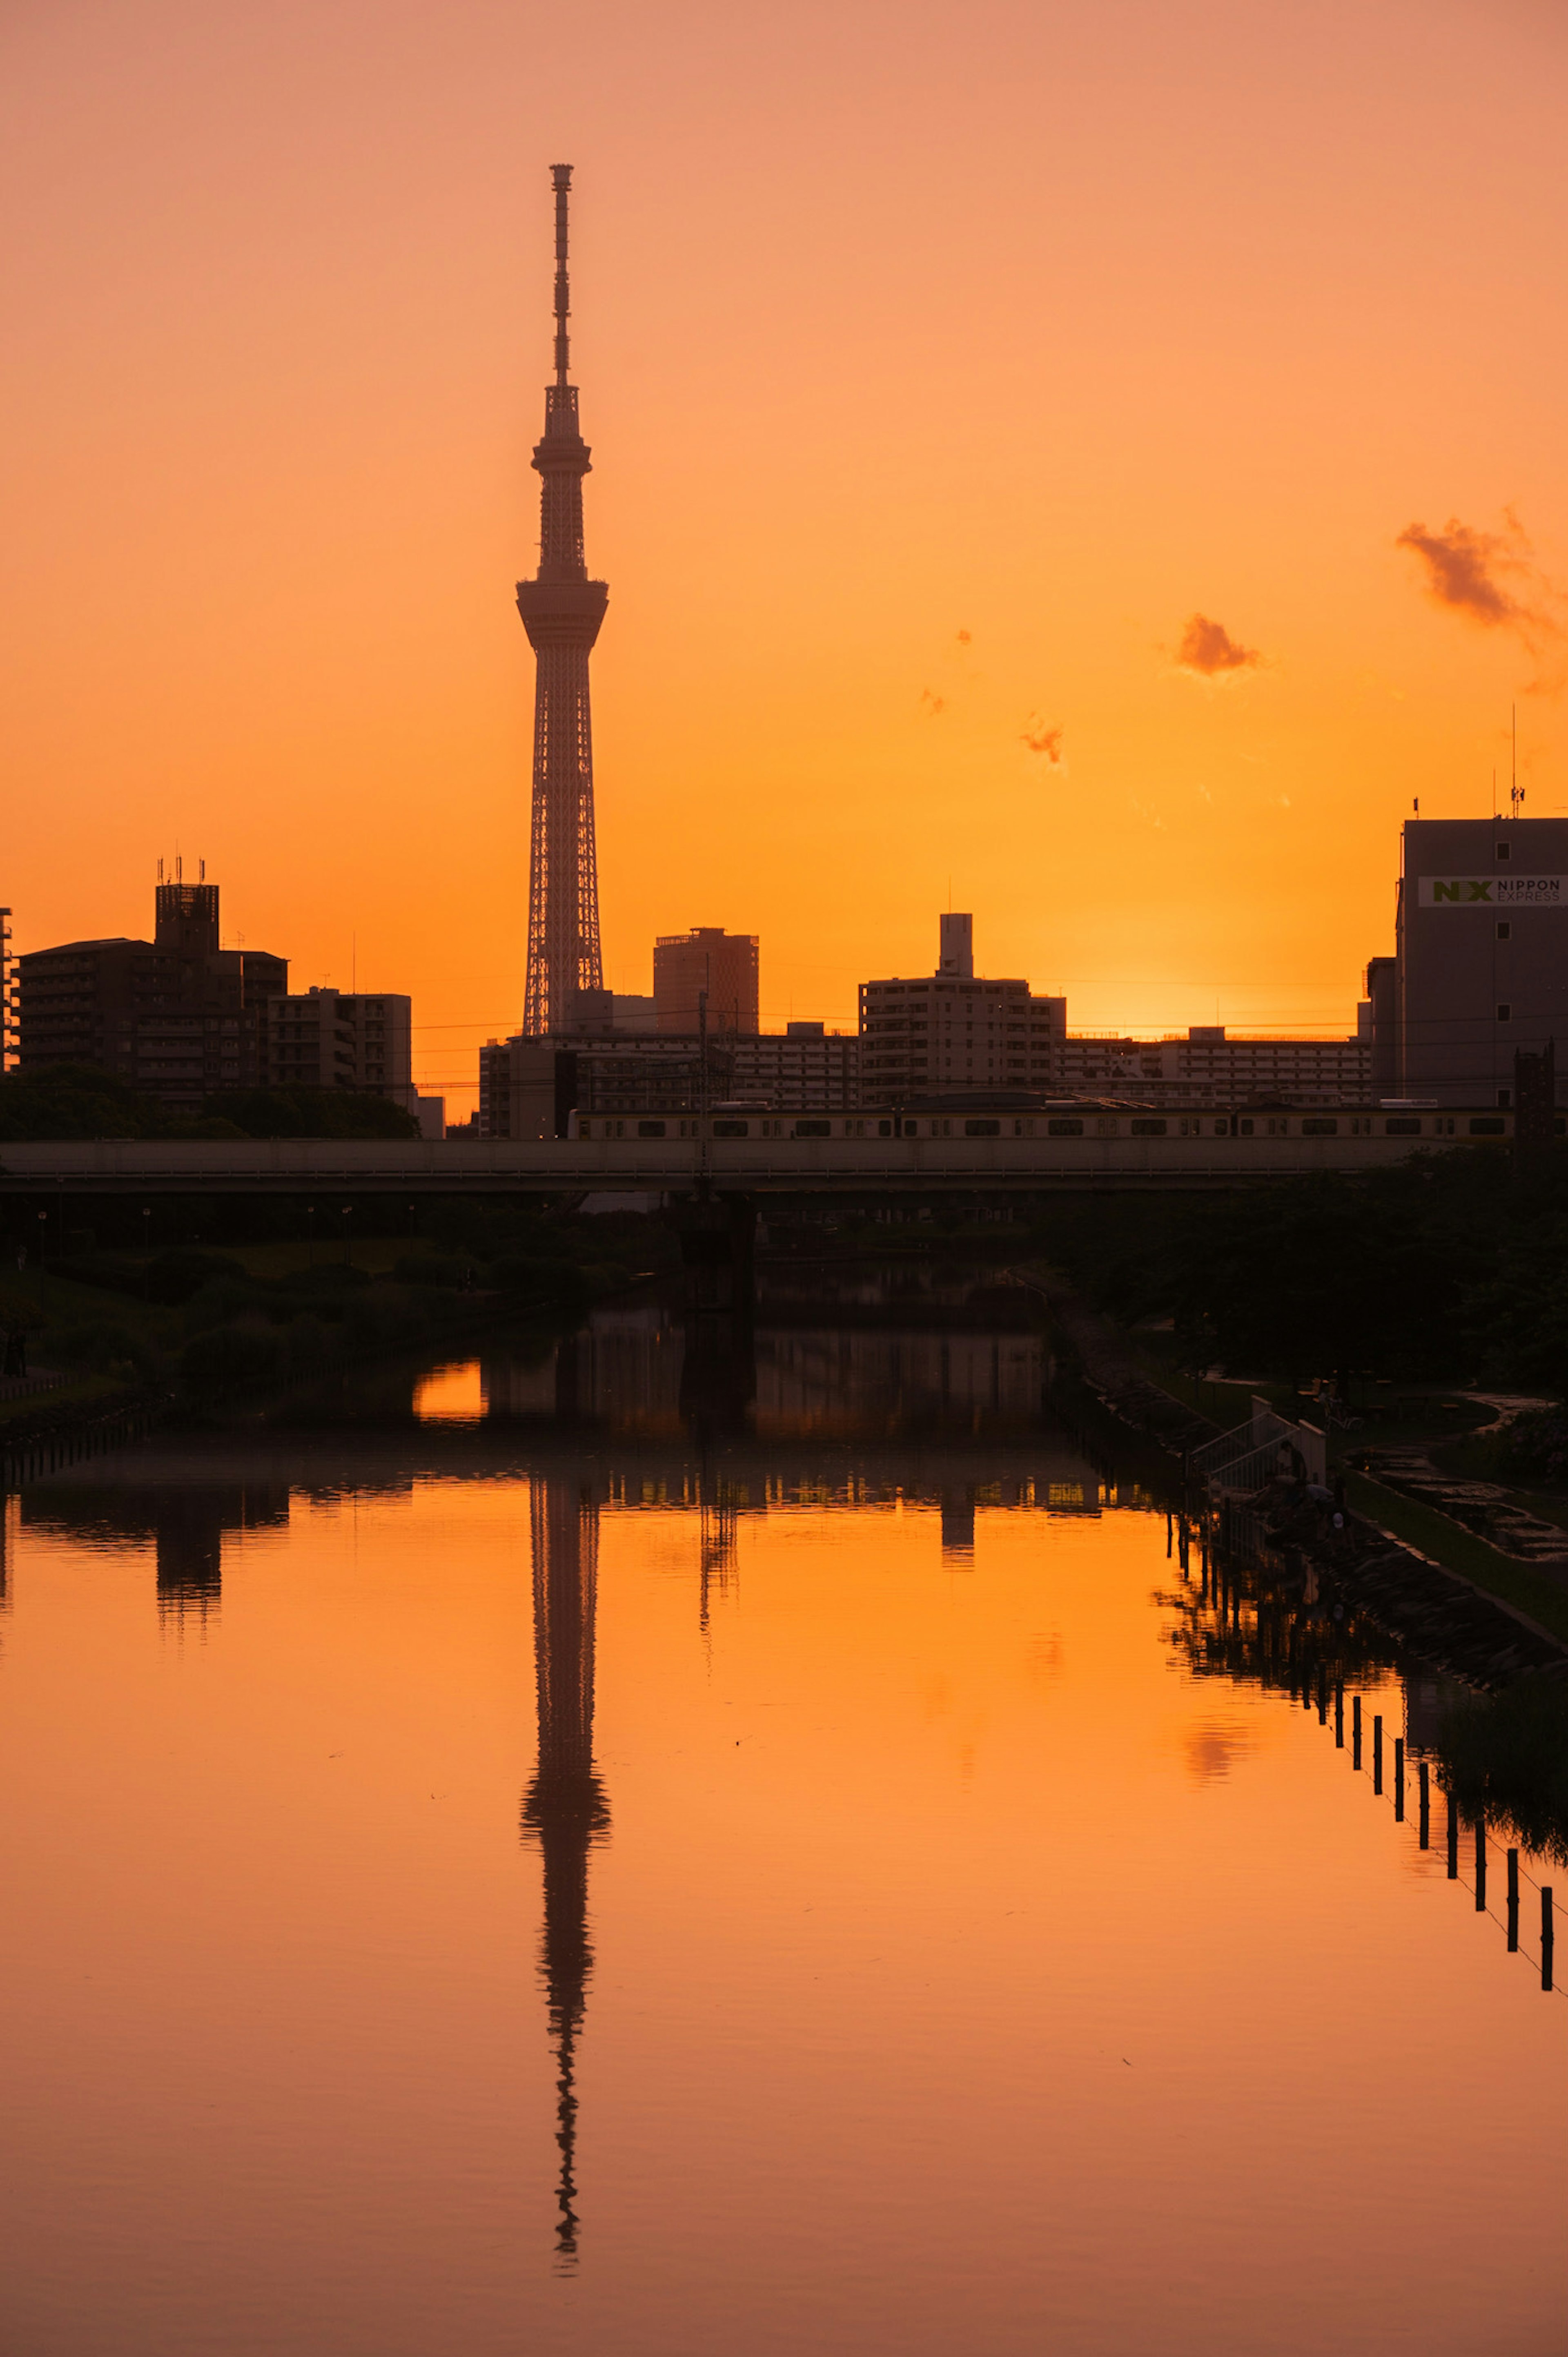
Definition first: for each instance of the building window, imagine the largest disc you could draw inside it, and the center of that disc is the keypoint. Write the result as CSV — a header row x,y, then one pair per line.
x,y
1502,851
1502,929
1505,1012
1504,1100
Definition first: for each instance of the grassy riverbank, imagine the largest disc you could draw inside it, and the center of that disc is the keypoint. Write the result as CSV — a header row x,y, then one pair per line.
x,y
202,1326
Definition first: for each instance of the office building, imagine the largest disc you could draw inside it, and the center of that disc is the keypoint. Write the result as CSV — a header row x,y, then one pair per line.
x,y
725,965
1480,963
178,1016
950,1033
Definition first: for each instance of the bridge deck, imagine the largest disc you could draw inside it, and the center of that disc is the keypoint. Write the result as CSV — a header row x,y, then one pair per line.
x,y
753,1166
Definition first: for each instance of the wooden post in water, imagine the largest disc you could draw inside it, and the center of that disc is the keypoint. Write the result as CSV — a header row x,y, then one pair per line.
x,y
1378,1753
1354,1730
1513,1902
1480,1861
1546,1929
1339,1713
1453,1840
1398,1780
1425,1828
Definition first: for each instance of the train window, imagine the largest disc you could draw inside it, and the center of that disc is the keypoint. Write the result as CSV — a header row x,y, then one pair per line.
x,y
814,1129
1245,1128
1279,1129
1221,1129
1399,1125
650,1129
1106,1129
884,1129
1329,1128
1065,1128
1487,1125
982,1128
1148,1129
585,1129
732,1129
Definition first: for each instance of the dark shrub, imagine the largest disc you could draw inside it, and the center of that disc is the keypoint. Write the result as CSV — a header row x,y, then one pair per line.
x,y
431,1268
235,1358
559,1283
176,1277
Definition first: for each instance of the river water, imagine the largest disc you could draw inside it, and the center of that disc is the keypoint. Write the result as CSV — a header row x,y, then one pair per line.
x,y
613,1848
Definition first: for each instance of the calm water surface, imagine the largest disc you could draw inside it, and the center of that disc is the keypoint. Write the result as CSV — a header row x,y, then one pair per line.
x,y
567,1860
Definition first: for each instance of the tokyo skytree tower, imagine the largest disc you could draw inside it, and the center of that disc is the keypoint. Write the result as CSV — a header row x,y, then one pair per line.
x,y
561,610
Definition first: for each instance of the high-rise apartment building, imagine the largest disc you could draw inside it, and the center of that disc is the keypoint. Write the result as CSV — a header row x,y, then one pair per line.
x,y
324,1039
178,1016
949,1032
725,965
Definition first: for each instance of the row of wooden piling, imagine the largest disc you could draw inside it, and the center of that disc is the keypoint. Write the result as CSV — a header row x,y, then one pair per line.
x,y
1179,1543
41,1454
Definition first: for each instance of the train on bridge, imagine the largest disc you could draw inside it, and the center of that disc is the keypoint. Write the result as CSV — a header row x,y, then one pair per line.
x,y
750,1150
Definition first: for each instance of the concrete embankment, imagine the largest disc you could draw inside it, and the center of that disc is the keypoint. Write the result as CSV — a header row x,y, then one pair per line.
x,y
1436,1614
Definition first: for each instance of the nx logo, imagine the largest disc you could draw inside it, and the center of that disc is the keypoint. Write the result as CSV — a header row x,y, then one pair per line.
x,y
1469,887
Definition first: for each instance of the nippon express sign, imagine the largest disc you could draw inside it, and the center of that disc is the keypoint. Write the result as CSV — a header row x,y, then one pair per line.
x,y
1493,892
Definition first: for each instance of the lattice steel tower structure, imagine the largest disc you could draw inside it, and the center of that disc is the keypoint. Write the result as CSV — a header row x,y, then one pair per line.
x,y
561,610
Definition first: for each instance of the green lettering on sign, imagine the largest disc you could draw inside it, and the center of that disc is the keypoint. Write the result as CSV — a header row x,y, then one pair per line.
x,y
1444,891
1481,891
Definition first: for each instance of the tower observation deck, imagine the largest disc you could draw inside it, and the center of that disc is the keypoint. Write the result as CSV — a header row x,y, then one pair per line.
x,y
561,610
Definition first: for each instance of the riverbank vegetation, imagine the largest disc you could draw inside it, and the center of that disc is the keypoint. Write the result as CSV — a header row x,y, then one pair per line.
x,y
203,1323
78,1101
1450,1268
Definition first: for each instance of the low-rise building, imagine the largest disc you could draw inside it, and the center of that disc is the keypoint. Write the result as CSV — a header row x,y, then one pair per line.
x,y
529,1088
1208,1067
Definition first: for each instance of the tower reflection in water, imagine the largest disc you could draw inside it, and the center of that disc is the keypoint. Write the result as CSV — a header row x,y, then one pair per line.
x,y
564,1808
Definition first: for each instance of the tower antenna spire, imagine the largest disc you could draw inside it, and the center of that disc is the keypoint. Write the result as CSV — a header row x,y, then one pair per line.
x,y
561,175
561,609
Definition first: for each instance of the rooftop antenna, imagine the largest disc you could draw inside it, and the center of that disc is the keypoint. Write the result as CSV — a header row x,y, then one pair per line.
x,y
203,866
1515,792
160,871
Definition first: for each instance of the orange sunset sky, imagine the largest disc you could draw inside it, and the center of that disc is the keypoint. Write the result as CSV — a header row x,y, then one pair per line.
x,y
950,371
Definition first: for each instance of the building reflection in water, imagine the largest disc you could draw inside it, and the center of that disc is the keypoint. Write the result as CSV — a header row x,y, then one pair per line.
x,y
564,1808
186,1524
812,1366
